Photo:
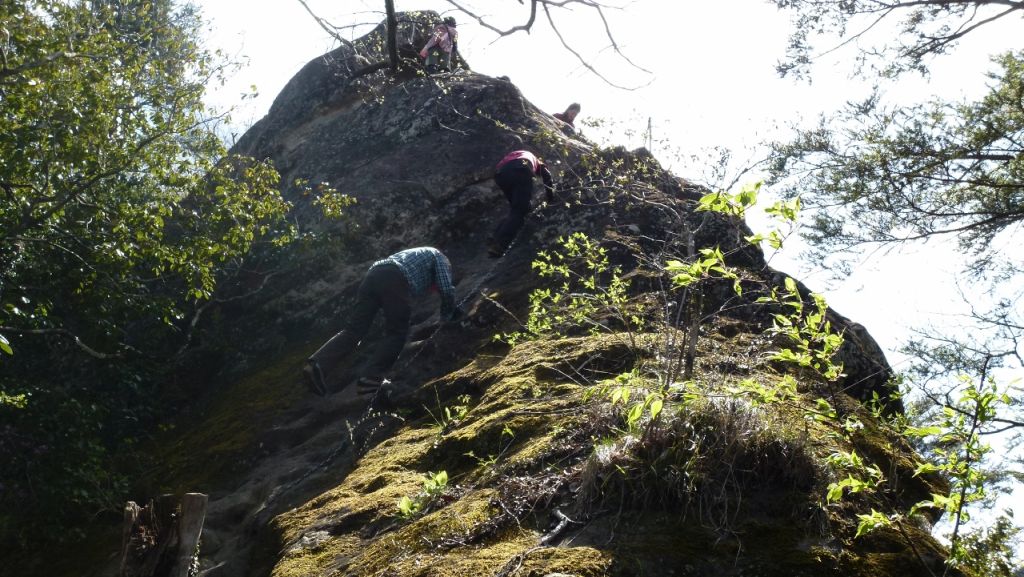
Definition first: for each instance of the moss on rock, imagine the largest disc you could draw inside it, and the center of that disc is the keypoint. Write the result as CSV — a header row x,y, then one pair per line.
x,y
506,494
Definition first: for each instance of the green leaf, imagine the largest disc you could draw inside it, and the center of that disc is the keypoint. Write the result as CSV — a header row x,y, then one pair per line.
x,y
870,522
407,507
791,286
926,431
656,406
835,492
635,412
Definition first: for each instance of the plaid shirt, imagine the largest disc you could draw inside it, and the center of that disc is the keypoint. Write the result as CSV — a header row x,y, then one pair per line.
x,y
424,267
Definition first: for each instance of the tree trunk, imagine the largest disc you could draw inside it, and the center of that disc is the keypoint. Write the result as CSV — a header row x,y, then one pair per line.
x,y
389,6
695,306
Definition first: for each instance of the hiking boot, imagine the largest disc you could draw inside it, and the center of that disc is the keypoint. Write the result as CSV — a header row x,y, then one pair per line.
x,y
384,394
315,378
368,386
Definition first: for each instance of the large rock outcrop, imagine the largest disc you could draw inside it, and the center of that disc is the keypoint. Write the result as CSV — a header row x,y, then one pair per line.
x,y
545,476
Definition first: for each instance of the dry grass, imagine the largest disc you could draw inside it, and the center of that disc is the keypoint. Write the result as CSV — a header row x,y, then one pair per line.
x,y
713,458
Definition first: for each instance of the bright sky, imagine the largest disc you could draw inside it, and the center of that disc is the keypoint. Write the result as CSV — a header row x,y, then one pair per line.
x,y
712,83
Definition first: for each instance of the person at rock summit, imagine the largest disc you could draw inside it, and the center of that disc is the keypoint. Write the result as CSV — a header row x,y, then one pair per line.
x,y
514,176
390,284
569,116
441,47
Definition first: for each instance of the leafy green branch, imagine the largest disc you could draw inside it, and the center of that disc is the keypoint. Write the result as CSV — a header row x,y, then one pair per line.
x,y
807,330
647,400
589,289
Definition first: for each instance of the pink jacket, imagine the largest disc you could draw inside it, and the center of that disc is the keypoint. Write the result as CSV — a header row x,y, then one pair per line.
x,y
444,37
516,155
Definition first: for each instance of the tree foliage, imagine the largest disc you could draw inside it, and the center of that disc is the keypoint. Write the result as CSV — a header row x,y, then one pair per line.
x,y
106,153
875,174
880,175
924,28
990,551
119,214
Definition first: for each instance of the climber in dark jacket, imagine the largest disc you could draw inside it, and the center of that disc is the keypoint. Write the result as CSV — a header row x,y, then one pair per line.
x,y
390,284
514,176
569,116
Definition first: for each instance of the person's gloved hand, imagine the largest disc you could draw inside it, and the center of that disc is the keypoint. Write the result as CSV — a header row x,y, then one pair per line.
x,y
423,53
549,195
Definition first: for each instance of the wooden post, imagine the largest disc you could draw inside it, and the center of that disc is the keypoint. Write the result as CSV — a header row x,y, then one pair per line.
x,y
190,527
159,540
131,516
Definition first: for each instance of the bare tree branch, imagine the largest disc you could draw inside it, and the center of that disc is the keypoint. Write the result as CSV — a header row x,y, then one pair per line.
x,y
853,38
190,331
615,45
327,26
65,332
6,72
582,60
519,28
940,42
547,4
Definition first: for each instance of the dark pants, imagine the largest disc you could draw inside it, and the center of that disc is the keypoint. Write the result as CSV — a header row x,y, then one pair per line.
x,y
383,287
438,60
516,180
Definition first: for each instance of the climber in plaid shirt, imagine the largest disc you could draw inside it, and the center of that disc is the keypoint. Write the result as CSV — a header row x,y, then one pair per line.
x,y
390,284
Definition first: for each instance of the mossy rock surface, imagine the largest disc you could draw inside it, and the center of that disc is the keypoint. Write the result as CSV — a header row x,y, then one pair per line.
x,y
495,517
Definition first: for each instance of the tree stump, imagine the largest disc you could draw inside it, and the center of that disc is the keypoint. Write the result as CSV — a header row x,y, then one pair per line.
x,y
160,539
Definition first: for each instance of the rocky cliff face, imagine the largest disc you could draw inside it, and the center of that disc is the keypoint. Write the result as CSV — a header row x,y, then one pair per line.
x,y
545,474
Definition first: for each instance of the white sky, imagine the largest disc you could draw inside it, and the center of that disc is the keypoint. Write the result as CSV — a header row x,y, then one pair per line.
x,y
712,84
